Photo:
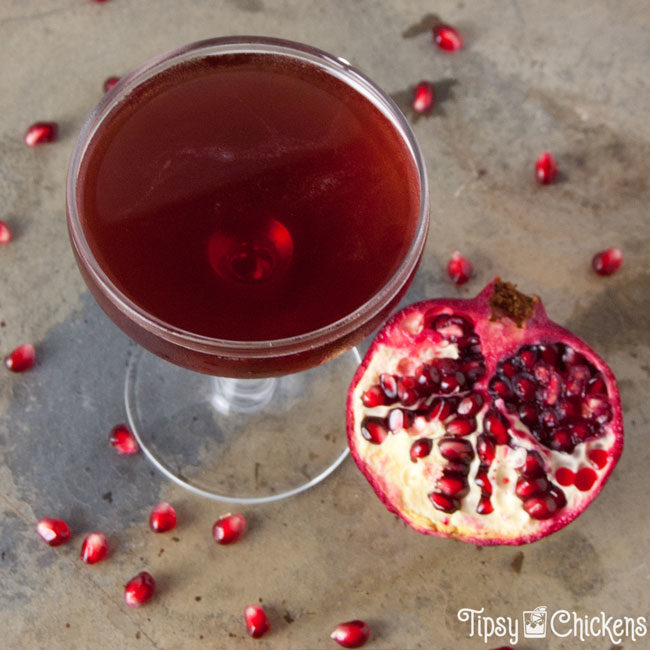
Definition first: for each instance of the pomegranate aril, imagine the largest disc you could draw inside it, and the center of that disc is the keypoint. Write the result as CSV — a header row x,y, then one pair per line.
x,y
527,358
388,385
453,485
484,506
399,419
447,38
485,448
546,169
22,358
460,426
564,476
524,388
139,589
561,441
351,634
257,623
528,487
598,457
162,518
424,97
549,419
5,233
459,268
470,405
483,482
449,383
568,409
533,465
499,388
41,133
441,408
508,369
585,478
229,528
474,370
123,441
496,424
374,396
528,414
549,352
407,391
595,386
597,408
374,429
580,431
608,261
54,531
456,449
110,83
427,379
443,502
540,507
94,548
421,448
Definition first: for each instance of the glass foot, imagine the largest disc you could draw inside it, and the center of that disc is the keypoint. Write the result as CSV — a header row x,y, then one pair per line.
x,y
240,440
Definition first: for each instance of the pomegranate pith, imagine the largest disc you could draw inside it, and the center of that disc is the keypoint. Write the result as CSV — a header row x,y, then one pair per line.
x,y
516,425
607,262
5,233
257,623
162,518
94,548
41,133
54,531
139,589
21,358
229,528
352,634
447,38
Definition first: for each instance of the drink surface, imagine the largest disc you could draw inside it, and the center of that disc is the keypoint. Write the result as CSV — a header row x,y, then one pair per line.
x,y
248,197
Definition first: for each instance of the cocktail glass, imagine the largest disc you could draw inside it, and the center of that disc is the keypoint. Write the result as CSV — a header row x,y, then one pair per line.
x,y
243,421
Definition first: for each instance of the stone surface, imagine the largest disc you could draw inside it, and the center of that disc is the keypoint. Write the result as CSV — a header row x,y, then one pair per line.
x,y
532,77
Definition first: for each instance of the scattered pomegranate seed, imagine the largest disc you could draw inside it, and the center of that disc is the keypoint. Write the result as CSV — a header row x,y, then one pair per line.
x,y
546,169
352,634
607,262
139,589
41,133
123,440
94,548
22,358
54,531
459,269
447,38
229,528
109,83
162,518
5,233
257,624
424,97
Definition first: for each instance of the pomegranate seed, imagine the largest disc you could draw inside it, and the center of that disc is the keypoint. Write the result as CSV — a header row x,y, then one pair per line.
x,y
374,396
453,486
533,465
461,426
424,97
524,388
388,384
162,518
528,487
470,405
607,262
5,233
399,419
483,482
585,478
257,624
443,502
456,449
561,441
22,358
459,269
94,548
598,457
420,449
596,385
352,634
139,589
109,83
123,440
546,169
229,528
497,425
485,448
540,507
447,38
374,430
41,133
484,506
54,531
407,391
564,476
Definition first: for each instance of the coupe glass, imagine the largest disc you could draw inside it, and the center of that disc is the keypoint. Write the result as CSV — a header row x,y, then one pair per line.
x,y
235,420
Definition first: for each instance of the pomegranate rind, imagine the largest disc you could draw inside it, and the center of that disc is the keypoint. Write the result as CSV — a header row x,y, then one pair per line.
x,y
500,339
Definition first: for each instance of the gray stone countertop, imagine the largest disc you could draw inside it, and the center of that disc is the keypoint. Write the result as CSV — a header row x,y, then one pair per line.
x,y
571,78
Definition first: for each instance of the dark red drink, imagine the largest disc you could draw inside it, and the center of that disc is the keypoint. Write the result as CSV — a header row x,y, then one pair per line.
x,y
247,197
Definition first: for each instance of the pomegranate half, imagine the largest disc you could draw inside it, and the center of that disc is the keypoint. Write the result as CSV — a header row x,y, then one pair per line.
x,y
482,419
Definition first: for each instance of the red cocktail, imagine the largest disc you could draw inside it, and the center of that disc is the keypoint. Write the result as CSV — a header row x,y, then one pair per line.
x,y
247,207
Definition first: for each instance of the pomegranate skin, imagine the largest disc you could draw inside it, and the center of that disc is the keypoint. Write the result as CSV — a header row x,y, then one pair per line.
x,y
500,340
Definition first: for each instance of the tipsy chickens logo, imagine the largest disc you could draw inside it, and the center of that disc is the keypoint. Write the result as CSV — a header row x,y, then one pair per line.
x,y
538,623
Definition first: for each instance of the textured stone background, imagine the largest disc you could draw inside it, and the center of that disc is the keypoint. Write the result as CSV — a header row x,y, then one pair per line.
x,y
568,77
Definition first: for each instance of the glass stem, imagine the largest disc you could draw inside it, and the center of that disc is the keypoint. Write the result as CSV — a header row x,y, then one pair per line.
x,y
242,395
